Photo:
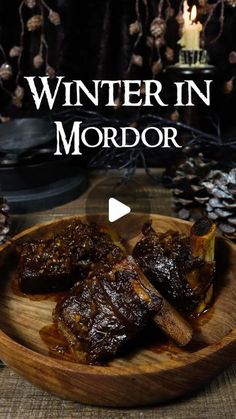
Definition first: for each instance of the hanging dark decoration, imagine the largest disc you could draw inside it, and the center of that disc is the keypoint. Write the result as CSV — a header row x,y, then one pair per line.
x,y
189,194
221,202
40,14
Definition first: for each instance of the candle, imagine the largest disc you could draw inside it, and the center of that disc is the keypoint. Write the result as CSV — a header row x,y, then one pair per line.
x,y
191,31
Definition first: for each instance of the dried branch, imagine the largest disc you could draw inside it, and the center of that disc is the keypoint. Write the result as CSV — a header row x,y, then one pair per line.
x,y
221,18
22,33
139,36
3,53
127,160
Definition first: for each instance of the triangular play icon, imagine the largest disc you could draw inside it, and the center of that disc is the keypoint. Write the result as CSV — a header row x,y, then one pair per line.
x,y
116,210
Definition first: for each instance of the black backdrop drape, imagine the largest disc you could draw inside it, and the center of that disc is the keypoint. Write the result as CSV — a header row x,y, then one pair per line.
x,y
94,42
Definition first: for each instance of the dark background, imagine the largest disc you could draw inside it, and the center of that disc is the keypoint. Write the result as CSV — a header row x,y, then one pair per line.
x,y
93,42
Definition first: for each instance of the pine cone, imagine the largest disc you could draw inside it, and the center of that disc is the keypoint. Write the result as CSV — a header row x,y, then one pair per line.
x,y
50,71
5,71
204,7
231,3
221,205
137,60
19,92
134,28
170,12
189,195
158,27
159,42
232,57
174,116
34,23
229,86
203,186
169,54
38,61
54,18
18,96
4,220
15,51
30,3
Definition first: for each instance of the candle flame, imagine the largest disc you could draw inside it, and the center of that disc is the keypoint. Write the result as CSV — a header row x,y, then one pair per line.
x,y
193,13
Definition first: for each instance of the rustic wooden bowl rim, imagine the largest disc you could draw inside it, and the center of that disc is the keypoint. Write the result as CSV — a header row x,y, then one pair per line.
x,y
112,370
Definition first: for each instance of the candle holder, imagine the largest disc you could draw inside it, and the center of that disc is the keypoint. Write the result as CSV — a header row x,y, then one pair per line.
x,y
193,58
198,116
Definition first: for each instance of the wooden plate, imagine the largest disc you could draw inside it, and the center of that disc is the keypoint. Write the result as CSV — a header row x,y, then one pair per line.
x,y
146,374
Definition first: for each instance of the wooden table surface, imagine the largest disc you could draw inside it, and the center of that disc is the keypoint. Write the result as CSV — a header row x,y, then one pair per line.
x,y
20,400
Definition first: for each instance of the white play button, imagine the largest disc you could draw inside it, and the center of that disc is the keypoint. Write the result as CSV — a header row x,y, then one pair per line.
x,y
116,209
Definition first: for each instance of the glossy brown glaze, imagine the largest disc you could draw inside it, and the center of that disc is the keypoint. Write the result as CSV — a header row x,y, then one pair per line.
x,y
167,262
102,313
56,264
138,376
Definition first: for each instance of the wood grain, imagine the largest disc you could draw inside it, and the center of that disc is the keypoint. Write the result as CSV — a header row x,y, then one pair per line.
x,y
143,376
